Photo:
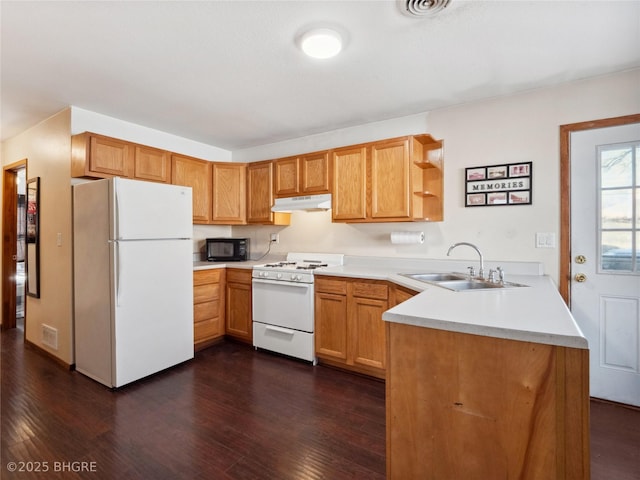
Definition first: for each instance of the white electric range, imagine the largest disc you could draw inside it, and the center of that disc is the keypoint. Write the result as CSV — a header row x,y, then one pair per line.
x,y
283,303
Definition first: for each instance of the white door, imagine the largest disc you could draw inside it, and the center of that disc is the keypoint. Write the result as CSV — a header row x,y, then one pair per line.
x,y
605,246
148,210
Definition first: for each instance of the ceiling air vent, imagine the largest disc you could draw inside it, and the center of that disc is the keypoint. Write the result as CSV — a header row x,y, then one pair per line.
x,y
422,8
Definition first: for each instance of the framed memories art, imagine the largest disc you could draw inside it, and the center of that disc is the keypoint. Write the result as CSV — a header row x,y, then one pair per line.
x,y
498,185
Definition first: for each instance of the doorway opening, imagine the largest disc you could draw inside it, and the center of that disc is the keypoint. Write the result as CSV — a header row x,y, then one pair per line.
x,y
14,245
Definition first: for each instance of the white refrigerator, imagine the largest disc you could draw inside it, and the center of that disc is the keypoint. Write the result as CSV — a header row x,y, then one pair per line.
x,y
133,278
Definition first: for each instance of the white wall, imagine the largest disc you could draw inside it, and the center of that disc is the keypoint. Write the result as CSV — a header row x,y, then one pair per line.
x,y
86,121
511,129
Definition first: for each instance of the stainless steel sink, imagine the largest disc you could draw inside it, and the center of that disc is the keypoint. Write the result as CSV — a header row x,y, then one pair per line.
x,y
458,282
435,277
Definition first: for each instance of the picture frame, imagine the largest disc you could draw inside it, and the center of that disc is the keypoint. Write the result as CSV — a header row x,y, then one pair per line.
x,y
506,184
32,222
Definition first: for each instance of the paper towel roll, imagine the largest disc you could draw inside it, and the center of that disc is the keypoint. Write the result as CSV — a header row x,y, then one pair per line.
x,y
407,237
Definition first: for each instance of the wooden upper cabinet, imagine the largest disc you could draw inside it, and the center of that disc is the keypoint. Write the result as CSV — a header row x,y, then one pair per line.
x,y
260,195
259,192
349,184
390,176
97,156
152,164
315,173
229,193
395,180
304,175
287,177
197,174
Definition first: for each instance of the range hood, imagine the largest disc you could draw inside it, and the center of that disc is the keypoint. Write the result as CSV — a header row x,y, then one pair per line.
x,y
308,202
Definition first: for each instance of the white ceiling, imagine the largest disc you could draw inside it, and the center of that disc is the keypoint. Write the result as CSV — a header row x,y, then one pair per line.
x,y
229,73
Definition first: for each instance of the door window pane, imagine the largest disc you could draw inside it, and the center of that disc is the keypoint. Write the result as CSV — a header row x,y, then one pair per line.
x,y
619,207
615,167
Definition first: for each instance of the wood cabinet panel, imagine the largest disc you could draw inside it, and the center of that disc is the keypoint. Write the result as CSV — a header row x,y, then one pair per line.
x,y
195,173
349,184
287,177
468,406
229,193
315,173
400,294
97,156
208,306
238,305
259,192
331,326
390,177
260,196
395,180
368,332
302,175
350,332
151,164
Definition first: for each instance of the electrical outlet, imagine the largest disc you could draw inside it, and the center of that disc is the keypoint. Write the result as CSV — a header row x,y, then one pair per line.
x,y
275,238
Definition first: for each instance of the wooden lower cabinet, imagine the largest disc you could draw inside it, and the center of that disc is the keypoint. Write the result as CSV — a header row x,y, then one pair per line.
x,y
350,332
208,306
239,323
470,406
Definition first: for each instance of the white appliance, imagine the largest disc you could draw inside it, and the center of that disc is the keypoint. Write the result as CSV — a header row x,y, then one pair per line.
x,y
283,303
133,284
306,202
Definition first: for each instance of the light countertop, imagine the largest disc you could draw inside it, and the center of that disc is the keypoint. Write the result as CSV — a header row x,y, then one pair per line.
x,y
536,313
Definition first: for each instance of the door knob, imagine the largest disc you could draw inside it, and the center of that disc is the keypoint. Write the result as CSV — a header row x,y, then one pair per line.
x,y
581,259
580,277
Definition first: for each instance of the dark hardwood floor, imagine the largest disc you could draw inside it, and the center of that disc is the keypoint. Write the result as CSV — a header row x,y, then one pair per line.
x,y
232,413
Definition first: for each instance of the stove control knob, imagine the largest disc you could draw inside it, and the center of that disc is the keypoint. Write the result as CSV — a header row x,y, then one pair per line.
x,y
279,275
264,274
295,278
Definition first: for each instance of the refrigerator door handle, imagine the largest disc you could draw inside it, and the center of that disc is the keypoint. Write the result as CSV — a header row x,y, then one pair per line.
x,y
116,272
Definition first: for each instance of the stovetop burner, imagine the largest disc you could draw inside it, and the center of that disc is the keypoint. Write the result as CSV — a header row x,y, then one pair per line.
x,y
311,266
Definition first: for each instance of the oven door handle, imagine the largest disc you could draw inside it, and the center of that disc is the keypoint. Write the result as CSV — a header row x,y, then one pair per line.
x,y
282,283
279,329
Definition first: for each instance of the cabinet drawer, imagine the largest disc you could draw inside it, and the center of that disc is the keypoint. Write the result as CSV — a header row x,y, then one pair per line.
x,y
208,329
327,285
239,276
206,311
206,293
370,290
201,277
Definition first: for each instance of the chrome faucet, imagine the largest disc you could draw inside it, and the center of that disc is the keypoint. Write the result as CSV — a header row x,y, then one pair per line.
x,y
481,272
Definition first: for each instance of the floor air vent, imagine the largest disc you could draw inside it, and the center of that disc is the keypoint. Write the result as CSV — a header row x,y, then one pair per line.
x,y
50,336
422,8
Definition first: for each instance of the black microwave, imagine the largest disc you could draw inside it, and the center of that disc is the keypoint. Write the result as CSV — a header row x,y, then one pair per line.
x,y
227,249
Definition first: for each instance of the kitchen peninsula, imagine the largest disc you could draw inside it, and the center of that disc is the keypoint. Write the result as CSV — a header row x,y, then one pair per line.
x,y
487,384
483,383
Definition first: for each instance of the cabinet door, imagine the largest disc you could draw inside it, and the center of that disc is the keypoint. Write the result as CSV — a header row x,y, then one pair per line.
x,y
349,184
331,326
287,177
314,178
367,332
110,157
390,180
151,164
259,192
196,174
229,195
238,305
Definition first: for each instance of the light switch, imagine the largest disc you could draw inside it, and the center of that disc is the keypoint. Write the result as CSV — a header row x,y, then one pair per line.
x,y
545,240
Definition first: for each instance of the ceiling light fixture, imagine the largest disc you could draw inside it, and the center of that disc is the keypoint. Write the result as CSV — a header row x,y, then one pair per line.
x,y
321,43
